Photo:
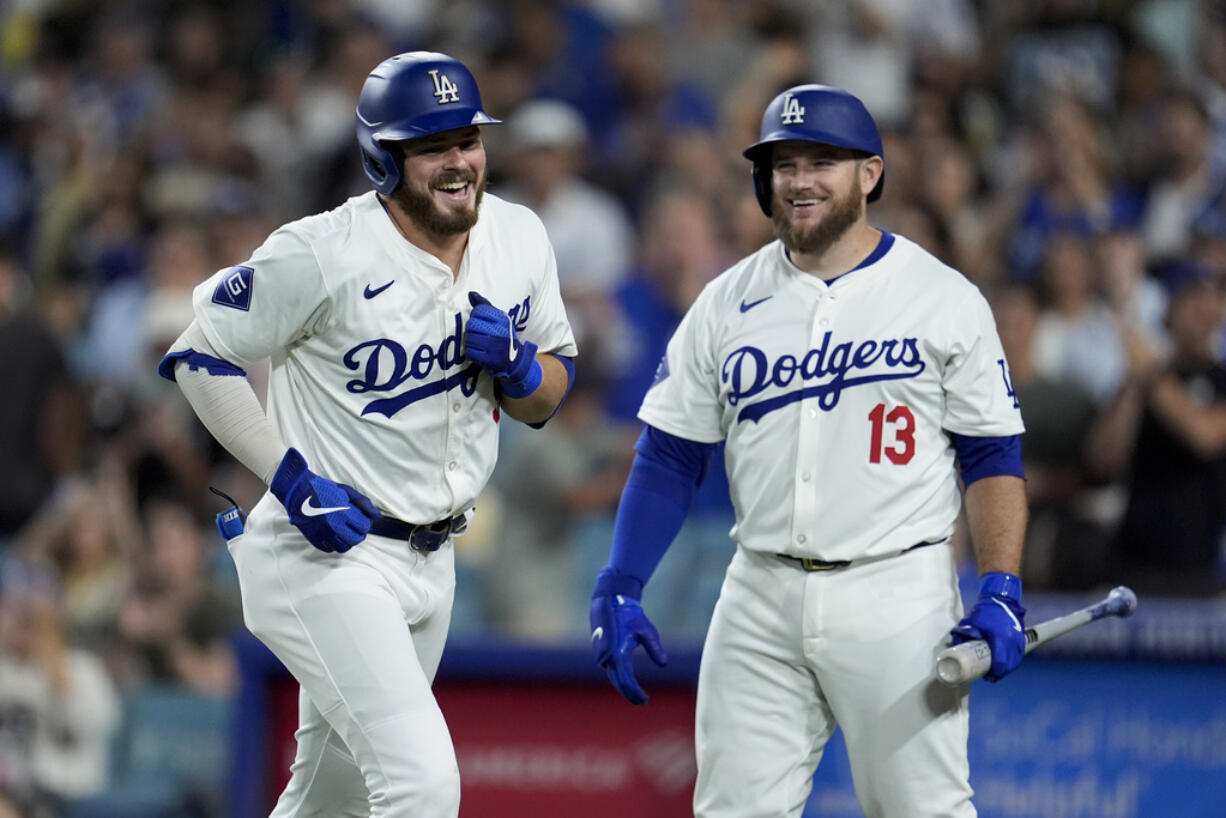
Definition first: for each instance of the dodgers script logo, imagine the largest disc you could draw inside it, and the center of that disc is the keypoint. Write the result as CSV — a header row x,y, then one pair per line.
x,y
386,365
749,372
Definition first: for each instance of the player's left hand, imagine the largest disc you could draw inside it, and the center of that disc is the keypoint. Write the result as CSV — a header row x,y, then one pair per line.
x,y
998,618
618,626
490,341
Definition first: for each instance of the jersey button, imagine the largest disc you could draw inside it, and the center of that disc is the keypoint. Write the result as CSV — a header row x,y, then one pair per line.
x,y
455,407
451,466
825,322
812,413
800,538
805,477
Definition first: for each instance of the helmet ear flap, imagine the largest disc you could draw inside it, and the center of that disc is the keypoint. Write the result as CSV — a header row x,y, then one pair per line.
x,y
761,176
382,168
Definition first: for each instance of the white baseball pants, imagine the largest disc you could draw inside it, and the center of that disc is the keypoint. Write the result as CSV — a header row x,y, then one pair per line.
x,y
363,633
791,654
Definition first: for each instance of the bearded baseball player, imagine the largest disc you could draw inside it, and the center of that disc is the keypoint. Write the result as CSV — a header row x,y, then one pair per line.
x,y
854,378
400,326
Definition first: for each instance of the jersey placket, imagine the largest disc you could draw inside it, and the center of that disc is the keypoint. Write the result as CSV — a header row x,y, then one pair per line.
x,y
450,300
805,478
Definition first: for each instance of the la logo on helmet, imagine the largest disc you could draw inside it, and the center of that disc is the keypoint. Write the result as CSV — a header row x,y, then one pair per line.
x,y
793,114
444,89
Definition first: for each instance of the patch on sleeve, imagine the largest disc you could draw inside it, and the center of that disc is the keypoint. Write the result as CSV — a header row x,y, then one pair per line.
x,y
234,289
661,371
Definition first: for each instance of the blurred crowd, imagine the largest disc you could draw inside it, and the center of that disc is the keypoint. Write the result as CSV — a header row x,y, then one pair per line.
x,y
1068,156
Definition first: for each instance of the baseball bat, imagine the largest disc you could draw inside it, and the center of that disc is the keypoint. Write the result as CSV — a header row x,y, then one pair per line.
x,y
970,660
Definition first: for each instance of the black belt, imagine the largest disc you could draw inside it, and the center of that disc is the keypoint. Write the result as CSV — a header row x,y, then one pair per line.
x,y
810,564
420,537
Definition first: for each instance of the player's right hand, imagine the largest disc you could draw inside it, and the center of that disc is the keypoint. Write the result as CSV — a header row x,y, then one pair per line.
x,y
618,625
333,517
998,618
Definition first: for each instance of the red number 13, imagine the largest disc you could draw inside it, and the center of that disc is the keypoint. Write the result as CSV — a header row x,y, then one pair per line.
x,y
902,424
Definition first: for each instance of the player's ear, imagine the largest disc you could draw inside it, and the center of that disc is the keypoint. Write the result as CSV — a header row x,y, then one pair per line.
x,y
870,170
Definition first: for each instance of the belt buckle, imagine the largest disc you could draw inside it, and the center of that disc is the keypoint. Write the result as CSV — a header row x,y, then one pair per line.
x,y
429,538
810,564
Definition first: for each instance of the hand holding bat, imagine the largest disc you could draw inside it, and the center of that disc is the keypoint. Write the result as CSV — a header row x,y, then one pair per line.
x,y
970,660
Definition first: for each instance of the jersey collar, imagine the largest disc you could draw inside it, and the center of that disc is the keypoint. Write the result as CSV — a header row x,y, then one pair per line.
x,y
884,243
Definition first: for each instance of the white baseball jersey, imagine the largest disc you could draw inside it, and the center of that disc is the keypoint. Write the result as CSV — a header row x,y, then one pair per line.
x,y
836,400
365,334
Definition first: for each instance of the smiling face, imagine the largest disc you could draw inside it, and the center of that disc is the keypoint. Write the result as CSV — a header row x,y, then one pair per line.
x,y
818,193
444,178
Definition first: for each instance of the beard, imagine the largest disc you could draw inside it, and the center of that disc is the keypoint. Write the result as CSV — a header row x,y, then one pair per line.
x,y
422,209
815,240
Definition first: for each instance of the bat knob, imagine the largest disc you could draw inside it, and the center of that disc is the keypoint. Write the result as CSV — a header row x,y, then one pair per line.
x,y
949,670
1125,598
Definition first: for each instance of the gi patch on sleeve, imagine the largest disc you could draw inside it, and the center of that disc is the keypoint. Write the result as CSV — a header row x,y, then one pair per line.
x,y
661,371
234,289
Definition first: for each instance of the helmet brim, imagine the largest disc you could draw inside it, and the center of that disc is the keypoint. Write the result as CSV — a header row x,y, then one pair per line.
x,y
430,124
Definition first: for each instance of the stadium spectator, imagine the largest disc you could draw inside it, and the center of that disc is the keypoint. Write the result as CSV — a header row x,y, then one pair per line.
x,y
1167,432
1065,542
89,534
1071,185
176,621
1077,338
58,707
570,472
41,428
589,228
1189,189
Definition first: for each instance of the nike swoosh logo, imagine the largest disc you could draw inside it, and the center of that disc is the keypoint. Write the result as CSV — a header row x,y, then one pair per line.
x,y
308,509
1016,624
596,634
369,293
747,307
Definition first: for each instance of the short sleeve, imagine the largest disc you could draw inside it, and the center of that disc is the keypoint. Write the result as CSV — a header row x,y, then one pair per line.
x,y
548,326
684,398
278,296
980,400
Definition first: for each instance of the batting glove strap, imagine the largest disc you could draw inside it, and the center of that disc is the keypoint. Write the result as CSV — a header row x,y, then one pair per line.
x,y
999,583
333,517
525,374
611,583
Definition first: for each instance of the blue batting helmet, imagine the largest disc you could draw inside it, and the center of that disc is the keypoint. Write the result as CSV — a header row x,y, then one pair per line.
x,y
812,113
408,96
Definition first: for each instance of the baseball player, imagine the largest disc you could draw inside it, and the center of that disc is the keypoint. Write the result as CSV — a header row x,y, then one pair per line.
x,y
854,379
400,326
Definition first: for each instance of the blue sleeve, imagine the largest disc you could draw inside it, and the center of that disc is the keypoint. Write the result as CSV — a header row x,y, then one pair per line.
x,y
197,360
988,456
662,482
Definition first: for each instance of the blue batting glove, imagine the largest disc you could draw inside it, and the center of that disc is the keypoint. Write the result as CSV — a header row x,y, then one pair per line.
x,y
490,341
999,619
618,625
332,516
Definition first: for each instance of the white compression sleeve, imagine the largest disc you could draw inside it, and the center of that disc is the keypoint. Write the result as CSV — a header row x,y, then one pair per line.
x,y
229,409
